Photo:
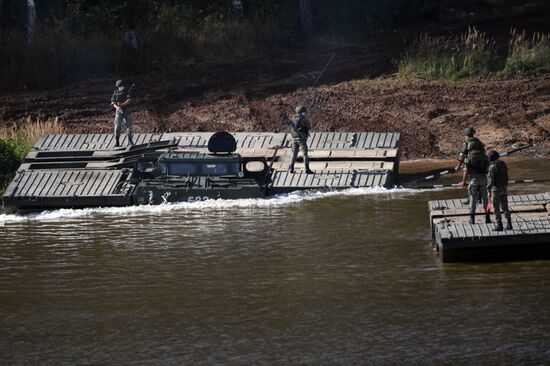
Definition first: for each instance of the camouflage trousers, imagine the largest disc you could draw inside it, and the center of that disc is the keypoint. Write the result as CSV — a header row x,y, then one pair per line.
x,y
499,200
477,188
127,117
296,145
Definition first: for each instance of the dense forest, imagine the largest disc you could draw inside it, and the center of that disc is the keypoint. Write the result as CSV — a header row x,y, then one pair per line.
x,y
47,43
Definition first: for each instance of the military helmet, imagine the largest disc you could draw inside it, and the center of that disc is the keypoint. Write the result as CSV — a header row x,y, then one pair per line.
x,y
119,83
300,109
469,131
493,155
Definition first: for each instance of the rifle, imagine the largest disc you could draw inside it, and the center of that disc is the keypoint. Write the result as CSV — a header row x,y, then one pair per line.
x,y
303,135
129,90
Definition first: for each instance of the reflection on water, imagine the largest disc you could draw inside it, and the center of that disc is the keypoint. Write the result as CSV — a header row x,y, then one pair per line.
x,y
337,278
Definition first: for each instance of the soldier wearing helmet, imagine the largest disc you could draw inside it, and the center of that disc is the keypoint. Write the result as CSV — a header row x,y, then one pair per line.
x,y
120,101
471,144
497,184
472,156
299,130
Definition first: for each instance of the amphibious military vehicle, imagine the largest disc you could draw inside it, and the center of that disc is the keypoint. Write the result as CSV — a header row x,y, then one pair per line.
x,y
77,171
198,176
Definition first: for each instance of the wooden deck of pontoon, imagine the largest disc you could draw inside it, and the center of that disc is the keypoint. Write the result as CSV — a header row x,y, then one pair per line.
x,y
82,170
458,241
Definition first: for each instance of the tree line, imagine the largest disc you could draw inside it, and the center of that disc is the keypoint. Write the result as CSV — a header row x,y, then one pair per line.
x,y
48,42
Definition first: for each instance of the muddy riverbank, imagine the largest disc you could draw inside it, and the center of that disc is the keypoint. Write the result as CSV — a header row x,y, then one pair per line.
x,y
355,94
430,115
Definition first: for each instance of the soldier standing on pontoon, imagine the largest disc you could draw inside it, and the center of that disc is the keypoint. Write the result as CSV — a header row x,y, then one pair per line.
x,y
497,184
299,130
476,164
120,101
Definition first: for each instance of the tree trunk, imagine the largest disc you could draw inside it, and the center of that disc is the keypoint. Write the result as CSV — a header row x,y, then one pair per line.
x,y
305,17
31,17
237,9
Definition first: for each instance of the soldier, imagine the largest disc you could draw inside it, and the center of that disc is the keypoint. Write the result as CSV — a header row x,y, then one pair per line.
x,y
470,143
299,129
497,184
473,157
120,101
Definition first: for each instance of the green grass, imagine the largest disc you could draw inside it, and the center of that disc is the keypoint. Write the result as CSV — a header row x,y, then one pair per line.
x,y
527,56
450,58
9,161
474,54
17,140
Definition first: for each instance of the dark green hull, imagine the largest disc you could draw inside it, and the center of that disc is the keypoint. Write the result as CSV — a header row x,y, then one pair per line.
x,y
154,195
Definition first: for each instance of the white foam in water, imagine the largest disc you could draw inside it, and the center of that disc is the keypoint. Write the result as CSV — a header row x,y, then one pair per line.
x,y
275,201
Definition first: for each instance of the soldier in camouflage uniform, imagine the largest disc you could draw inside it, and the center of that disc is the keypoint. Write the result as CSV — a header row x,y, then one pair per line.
x,y
299,129
120,101
497,184
476,164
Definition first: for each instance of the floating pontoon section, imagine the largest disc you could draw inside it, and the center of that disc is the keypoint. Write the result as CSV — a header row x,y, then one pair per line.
x,y
87,169
352,140
373,154
285,182
79,142
49,189
457,240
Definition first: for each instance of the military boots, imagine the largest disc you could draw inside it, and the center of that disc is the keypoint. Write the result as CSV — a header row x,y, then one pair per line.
x,y
498,226
306,163
509,224
472,218
487,218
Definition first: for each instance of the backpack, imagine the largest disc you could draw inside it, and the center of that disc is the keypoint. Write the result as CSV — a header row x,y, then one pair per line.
x,y
477,161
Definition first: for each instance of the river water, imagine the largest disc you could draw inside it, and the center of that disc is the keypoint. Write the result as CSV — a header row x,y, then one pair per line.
x,y
344,278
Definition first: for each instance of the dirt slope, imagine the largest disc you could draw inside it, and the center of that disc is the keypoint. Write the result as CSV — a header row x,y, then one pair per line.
x,y
257,95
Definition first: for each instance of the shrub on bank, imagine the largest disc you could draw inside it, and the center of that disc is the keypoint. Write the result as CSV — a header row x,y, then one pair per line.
x,y
17,140
473,54
439,57
9,161
528,55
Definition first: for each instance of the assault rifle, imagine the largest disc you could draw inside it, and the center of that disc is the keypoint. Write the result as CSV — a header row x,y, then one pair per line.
x,y
303,134
129,90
